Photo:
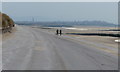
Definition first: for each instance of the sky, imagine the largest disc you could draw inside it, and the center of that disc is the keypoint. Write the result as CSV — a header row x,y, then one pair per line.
x,y
62,11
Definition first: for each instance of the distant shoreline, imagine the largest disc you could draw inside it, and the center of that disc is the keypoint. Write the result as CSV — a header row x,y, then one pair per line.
x,y
68,24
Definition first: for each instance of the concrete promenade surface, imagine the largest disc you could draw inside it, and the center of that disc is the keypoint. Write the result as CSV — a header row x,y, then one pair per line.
x,y
37,49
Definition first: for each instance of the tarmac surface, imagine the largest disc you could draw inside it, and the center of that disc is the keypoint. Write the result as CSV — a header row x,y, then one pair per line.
x,y
37,49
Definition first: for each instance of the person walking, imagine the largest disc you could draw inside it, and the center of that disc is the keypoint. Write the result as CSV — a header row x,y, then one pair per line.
x,y
60,32
57,32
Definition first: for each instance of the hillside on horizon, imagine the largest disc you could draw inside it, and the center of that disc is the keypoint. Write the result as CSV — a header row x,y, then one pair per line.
x,y
68,23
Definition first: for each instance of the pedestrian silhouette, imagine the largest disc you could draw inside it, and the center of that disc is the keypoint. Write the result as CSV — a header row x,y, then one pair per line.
x,y
60,32
57,32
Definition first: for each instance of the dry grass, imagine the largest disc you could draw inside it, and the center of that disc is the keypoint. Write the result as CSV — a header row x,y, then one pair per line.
x,y
5,21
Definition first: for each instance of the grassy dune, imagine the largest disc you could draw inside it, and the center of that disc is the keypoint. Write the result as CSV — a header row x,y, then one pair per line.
x,y
6,23
0,20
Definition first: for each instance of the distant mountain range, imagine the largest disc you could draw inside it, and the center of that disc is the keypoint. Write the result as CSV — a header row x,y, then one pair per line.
x,y
68,24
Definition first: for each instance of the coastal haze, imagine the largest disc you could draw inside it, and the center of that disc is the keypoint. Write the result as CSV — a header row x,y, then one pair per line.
x,y
89,39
